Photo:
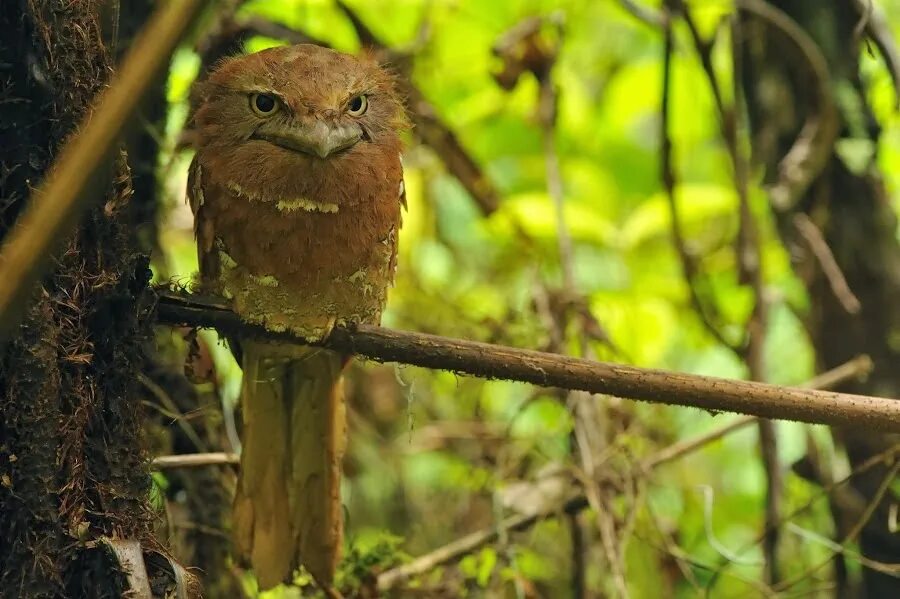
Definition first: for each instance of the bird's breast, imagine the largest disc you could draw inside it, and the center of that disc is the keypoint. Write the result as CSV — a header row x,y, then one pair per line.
x,y
299,265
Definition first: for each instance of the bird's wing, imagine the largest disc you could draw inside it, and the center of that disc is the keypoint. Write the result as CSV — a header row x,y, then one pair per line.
x,y
207,257
395,234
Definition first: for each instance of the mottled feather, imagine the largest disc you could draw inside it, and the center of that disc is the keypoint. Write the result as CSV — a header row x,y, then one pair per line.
x,y
299,236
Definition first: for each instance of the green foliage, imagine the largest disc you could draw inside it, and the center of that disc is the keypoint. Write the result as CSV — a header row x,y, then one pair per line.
x,y
365,558
429,451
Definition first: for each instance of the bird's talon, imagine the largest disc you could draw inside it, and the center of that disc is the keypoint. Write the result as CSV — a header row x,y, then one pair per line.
x,y
329,328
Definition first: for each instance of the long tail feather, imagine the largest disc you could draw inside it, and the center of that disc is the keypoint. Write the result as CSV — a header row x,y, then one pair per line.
x,y
287,509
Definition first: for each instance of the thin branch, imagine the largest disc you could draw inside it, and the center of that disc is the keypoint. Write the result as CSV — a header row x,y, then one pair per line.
x,y
75,179
170,409
645,14
230,35
861,522
830,268
433,132
837,548
879,31
866,8
888,456
463,546
749,255
857,368
550,370
708,315
195,460
469,543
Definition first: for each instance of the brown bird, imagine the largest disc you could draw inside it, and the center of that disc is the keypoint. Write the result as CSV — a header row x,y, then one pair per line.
x,y
296,188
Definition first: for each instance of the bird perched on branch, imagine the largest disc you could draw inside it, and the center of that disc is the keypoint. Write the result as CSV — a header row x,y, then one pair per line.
x,y
296,188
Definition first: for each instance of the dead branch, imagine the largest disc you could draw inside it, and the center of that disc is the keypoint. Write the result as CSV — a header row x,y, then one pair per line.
x,y
452,551
708,314
550,370
876,26
228,37
830,268
194,460
857,368
645,14
888,457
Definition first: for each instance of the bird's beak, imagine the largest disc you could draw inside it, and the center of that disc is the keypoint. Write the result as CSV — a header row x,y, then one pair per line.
x,y
315,137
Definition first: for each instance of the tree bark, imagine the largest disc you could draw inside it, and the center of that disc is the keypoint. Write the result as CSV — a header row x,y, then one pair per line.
x,y
847,202
72,467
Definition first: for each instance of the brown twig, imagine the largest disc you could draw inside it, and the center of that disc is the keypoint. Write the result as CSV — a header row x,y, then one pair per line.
x,y
434,133
888,456
857,368
469,543
861,522
453,551
230,35
67,192
707,314
550,370
866,8
645,14
830,268
195,460
879,31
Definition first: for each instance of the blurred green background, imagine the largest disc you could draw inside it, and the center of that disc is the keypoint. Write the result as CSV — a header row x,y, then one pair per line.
x,y
433,455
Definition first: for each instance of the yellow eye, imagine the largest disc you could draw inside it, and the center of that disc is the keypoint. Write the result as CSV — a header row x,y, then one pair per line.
x,y
358,105
263,105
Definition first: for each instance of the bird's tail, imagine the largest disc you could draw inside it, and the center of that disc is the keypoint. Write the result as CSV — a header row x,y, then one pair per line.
x,y
287,508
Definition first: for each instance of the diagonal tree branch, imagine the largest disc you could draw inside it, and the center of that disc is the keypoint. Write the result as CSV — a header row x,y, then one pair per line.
x,y
551,370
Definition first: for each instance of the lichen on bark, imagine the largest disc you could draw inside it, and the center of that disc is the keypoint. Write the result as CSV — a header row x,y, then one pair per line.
x,y
72,465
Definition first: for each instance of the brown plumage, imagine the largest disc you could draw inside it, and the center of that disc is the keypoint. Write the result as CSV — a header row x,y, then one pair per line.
x,y
296,189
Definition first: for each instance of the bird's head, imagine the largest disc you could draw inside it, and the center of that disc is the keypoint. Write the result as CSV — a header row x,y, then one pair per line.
x,y
293,122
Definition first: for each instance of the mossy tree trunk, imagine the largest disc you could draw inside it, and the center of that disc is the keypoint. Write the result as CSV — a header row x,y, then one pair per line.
x,y
72,468
849,205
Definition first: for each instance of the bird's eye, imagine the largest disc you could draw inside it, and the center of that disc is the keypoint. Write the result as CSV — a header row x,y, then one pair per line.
x,y
263,104
358,105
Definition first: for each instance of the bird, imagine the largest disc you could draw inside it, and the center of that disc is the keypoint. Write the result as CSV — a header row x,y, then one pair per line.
x,y
296,186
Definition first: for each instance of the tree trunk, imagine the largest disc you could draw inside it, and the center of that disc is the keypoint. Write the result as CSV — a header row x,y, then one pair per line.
x,y
72,468
848,204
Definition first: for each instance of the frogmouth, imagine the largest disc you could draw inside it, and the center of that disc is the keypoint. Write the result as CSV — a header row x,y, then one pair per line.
x,y
296,189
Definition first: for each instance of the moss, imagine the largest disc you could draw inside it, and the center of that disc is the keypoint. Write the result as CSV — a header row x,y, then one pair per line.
x,y
70,423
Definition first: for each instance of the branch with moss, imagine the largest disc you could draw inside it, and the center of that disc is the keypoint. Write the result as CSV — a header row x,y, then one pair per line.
x,y
490,361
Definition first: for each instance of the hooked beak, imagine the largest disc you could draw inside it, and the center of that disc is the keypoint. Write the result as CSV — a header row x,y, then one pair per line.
x,y
315,138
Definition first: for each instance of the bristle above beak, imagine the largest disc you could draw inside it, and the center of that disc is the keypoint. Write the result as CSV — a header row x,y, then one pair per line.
x,y
316,138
